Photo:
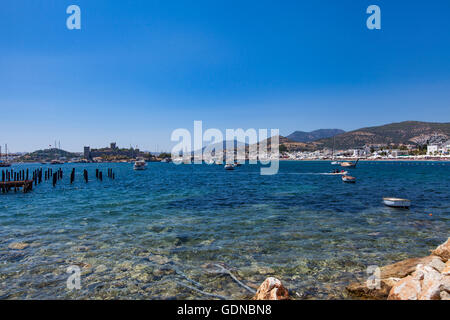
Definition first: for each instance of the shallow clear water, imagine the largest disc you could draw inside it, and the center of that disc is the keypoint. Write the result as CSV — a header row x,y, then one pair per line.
x,y
156,234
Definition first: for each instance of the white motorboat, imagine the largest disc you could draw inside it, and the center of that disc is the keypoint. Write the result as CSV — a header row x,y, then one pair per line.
x,y
397,202
349,179
229,166
335,163
140,164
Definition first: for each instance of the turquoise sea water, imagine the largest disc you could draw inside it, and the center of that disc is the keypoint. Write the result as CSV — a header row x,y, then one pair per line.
x,y
157,234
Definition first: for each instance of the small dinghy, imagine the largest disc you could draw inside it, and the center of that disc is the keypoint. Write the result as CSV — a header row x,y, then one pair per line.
x,y
229,166
338,173
349,179
397,203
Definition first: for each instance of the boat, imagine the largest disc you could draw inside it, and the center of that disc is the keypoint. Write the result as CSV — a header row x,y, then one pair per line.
x,y
349,179
6,163
333,162
349,164
340,173
229,166
57,162
397,202
140,164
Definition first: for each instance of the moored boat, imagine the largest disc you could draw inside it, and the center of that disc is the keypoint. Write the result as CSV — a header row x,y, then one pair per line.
x,y
349,164
338,173
4,164
348,179
397,202
229,166
140,164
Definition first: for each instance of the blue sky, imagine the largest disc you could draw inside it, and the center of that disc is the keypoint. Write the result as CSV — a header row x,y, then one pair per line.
x,y
137,70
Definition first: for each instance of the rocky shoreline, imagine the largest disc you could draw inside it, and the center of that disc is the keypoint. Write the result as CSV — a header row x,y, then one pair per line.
x,y
425,278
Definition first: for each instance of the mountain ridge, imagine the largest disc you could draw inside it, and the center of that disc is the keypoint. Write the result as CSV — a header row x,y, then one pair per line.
x,y
303,136
406,132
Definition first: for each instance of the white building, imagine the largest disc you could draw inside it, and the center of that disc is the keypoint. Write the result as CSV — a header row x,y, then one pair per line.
x,y
431,149
398,153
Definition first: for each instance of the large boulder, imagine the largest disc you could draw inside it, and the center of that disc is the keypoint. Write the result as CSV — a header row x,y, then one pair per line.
x,y
446,270
404,268
430,282
271,289
445,284
407,288
362,290
443,250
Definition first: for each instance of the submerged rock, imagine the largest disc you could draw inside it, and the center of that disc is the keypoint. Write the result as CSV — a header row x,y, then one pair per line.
x,y
101,268
18,245
158,259
271,289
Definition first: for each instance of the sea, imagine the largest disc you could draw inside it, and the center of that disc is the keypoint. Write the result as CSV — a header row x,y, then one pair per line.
x,y
201,232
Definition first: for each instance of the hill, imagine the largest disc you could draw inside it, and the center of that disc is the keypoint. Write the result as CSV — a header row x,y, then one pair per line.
x,y
289,145
407,132
301,136
47,155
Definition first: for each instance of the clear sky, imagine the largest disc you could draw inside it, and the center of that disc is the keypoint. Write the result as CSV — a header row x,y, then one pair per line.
x,y
137,70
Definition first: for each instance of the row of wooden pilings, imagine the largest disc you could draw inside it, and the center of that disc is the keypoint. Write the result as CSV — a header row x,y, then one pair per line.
x,y
15,179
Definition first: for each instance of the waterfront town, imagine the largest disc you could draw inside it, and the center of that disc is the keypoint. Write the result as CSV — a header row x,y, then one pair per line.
x,y
112,153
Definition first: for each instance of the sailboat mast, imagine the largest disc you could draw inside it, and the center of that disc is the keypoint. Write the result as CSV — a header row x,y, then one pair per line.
x,y
334,144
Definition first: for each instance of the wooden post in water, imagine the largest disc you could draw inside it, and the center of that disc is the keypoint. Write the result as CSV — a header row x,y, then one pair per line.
x,y
72,176
55,178
85,174
100,176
